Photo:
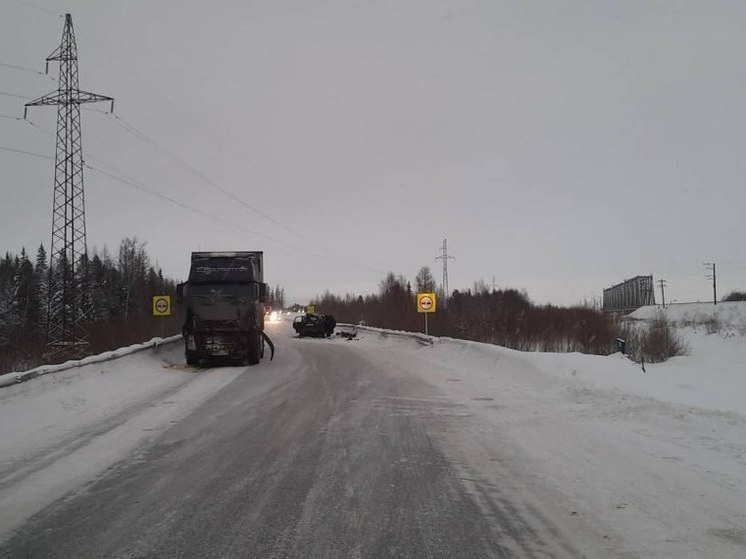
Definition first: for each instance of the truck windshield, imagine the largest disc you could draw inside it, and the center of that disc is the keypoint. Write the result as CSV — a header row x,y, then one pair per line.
x,y
222,270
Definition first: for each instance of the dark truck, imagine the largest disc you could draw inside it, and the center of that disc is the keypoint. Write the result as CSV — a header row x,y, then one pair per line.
x,y
224,310
315,325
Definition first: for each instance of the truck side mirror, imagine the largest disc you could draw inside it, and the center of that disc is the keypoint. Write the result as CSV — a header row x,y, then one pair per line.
x,y
180,292
262,292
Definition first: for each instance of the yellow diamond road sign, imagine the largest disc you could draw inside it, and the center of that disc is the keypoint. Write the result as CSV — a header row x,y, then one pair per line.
x,y
161,305
426,302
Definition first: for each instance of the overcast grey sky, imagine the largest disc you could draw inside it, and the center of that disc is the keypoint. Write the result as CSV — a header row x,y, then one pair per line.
x,y
561,147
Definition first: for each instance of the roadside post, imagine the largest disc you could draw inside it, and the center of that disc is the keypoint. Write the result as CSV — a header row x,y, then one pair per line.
x,y
426,303
162,308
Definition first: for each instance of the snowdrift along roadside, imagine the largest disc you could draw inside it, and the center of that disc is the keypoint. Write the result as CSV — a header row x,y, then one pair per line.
x,y
59,431
9,379
659,468
712,376
727,314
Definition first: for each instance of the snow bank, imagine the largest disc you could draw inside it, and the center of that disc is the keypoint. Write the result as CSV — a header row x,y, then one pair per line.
x,y
712,376
384,333
8,379
655,460
731,314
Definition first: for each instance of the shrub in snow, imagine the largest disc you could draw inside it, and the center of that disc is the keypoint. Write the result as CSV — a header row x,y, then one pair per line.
x,y
653,342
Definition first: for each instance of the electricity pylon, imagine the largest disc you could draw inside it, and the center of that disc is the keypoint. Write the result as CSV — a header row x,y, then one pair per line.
x,y
445,258
65,334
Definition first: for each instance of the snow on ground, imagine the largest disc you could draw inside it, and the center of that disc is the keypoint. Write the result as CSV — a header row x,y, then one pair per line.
x,y
729,315
656,459
8,379
59,430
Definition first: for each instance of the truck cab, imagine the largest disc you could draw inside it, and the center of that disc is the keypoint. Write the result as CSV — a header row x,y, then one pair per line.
x,y
224,299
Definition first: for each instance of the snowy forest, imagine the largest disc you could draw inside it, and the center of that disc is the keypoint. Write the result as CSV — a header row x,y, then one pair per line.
x,y
499,316
116,305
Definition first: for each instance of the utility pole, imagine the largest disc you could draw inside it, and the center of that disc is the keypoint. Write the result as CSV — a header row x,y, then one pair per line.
x,y
662,283
710,267
65,334
445,258
494,285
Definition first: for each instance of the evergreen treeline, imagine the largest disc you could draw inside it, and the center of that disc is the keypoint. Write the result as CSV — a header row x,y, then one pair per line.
x,y
275,298
116,305
504,317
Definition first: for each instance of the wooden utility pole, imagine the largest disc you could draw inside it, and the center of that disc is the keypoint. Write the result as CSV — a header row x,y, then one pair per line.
x,y
662,283
710,267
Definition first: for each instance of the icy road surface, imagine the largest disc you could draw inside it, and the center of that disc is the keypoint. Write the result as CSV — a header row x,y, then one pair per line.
x,y
370,448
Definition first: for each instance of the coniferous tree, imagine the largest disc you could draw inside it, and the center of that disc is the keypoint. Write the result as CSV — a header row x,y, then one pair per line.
x,y
100,300
41,285
86,308
27,297
10,318
115,295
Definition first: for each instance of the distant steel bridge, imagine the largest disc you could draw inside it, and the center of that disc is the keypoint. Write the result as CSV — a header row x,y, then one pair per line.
x,y
629,295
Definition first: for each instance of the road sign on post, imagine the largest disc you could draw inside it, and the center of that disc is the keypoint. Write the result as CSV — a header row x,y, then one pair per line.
x,y
426,303
161,305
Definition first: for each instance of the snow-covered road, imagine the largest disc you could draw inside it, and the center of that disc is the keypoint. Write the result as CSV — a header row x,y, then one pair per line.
x,y
659,479
372,448
59,431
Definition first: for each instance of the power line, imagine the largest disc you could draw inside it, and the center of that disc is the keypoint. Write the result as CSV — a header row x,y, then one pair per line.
x,y
29,70
145,138
47,132
23,68
39,8
118,176
187,116
141,136
121,177
31,153
139,185
14,95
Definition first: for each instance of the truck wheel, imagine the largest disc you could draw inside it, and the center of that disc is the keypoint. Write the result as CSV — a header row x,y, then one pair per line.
x,y
254,350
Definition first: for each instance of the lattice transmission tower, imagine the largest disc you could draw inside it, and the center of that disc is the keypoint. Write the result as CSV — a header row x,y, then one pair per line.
x,y
65,333
445,258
